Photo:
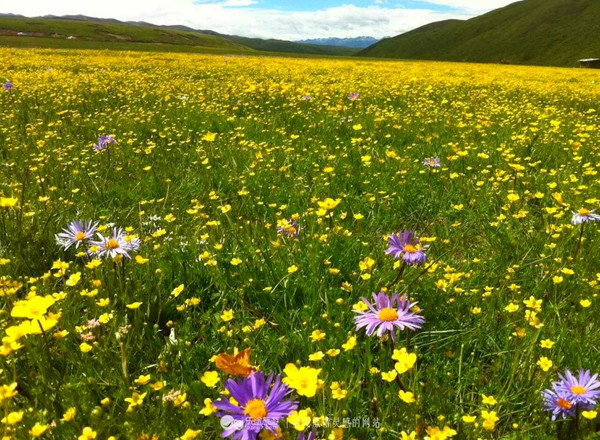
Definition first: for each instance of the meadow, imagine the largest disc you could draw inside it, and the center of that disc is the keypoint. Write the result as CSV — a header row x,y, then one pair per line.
x,y
231,215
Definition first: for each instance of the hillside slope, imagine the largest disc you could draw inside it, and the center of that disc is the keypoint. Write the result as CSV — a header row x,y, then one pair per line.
x,y
107,32
95,33
541,32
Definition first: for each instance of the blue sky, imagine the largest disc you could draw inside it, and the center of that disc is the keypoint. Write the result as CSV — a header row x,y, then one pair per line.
x,y
283,19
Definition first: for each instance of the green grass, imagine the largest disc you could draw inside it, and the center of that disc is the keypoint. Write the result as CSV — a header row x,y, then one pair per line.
x,y
212,153
536,32
53,33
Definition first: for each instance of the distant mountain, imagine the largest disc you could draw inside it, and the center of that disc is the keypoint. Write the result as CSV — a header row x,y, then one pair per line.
x,y
360,42
539,32
91,32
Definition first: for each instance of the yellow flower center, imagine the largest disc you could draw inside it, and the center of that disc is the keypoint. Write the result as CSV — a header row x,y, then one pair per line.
x,y
113,244
410,249
388,314
80,236
563,403
578,389
584,212
256,409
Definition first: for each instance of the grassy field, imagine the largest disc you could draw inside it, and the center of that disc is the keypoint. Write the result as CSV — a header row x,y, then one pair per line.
x,y
206,180
53,33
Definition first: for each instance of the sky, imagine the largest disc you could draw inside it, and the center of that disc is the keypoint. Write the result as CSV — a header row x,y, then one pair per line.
x,y
282,19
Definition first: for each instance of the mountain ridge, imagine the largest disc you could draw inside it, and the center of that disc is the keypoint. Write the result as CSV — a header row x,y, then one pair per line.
x,y
537,32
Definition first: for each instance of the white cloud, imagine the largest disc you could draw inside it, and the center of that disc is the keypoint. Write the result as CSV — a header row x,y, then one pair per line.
x,y
342,21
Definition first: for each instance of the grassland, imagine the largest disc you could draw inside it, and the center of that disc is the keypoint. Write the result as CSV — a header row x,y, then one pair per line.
x,y
218,182
92,33
534,32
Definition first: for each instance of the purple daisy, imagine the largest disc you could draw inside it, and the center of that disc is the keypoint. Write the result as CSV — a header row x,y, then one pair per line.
x,y
402,245
432,162
584,216
353,96
77,233
288,227
104,142
260,405
8,85
116,244
582,390
559,404
387,314
306,97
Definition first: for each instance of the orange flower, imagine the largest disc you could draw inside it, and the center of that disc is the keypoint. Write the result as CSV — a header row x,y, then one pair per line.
x,y
237,364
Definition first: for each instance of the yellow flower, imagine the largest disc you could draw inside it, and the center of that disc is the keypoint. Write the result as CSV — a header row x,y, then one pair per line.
x,y
585,303
590,415
235,262
544,363
389,376
38,430
292,269
73,279
489,420
136,399
317,335
405,436
304,380
190,434
33,308
13,418
143,380
317,356
328,204
209,408
210,378
547,343
87,434
488,400
69,414
177,290
8,392
300,420
134,305
469,419
141,260
406,396
227,315
337,392
8,202
350,343
85,348
405,360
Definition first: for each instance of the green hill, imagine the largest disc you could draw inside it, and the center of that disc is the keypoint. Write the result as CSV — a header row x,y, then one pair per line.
x,y
55,32
539,32
94,33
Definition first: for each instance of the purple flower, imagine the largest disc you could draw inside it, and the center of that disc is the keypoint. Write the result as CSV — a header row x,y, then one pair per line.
x,y
387,314
260,405
103,142
116,244
8,85
353,96
402,245
288,227
78,232
311,435
581,390
584,216
558,404
432,162
306,97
